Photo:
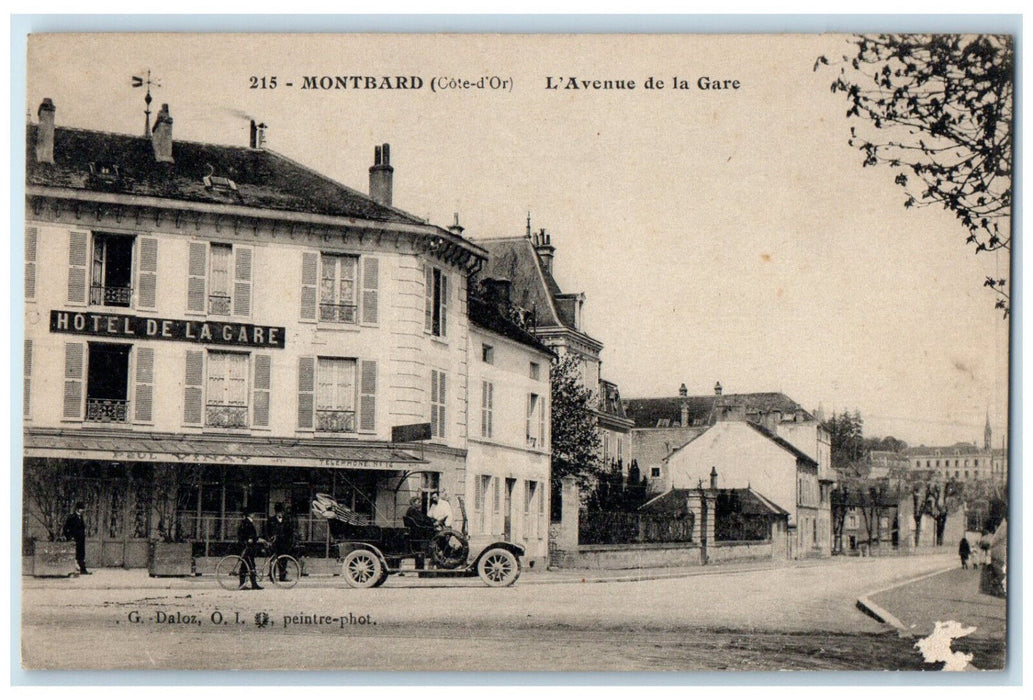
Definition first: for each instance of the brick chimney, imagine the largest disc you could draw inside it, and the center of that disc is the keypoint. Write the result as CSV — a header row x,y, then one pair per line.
x,y
161,135
257,135
381,175
546,251
45,132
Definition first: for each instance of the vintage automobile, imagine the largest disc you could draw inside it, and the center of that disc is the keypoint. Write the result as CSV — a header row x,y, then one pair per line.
x,y
370,553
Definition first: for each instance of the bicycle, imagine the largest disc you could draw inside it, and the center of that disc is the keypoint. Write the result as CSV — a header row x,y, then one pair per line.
x,y
282,569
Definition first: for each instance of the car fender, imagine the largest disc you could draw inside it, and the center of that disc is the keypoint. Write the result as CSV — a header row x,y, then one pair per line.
x,y
517,550
345,548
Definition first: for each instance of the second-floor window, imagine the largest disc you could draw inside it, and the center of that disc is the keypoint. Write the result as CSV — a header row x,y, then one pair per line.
x,y
111,276
435,317
219,279
335,395
337,288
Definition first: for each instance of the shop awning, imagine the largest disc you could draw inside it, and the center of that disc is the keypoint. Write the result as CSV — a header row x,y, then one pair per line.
x,y
218,449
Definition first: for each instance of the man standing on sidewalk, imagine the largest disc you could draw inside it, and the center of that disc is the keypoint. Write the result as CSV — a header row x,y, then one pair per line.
x,y
75,529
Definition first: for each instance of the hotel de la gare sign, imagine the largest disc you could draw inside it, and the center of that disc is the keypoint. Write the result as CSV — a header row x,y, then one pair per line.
x,y
126,326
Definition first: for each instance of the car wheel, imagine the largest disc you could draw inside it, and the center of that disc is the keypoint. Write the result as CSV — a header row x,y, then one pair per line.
x,y
362,568
498,567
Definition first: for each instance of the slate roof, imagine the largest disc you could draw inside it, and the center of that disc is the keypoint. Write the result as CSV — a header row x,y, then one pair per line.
x,y
958,448
487,316
647,413
751,502
263,178
516,260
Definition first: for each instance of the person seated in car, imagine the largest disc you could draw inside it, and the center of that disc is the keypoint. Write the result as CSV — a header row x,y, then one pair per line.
x,y
415,519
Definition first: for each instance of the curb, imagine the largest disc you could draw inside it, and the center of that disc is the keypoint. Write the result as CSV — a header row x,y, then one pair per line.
x,y
868,607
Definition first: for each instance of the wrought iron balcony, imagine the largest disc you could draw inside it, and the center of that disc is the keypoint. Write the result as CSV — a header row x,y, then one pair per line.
x,y
101,295
218,415
334,421
107,410
218,305
338,313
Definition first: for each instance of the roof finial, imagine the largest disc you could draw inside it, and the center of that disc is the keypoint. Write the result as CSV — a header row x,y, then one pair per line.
x,y
528,223
140,81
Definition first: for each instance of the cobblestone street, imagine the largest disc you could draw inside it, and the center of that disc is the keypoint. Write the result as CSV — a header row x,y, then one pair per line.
x,y
790,617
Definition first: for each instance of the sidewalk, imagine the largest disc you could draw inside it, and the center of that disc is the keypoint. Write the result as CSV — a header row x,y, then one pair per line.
x,y
139,578
915,607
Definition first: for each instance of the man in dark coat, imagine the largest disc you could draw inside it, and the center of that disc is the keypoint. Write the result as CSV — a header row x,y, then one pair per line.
x,y
280,533
964,550
247,537
75,529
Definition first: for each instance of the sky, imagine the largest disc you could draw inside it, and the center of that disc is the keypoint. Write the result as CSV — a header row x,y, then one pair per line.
x,y
719,235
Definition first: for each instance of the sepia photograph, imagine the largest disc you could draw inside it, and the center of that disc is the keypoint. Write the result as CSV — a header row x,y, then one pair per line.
x,y
515,352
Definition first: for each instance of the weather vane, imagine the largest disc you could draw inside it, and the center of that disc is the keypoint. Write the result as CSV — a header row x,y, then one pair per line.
x,y
139,81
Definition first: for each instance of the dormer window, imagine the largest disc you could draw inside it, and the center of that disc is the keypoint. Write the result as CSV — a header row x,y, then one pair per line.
x,y
219,184
107,172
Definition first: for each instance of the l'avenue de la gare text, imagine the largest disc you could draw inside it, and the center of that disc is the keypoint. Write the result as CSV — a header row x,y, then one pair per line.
x,y
703,82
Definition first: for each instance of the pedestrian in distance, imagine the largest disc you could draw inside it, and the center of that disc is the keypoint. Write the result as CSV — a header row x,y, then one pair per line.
x,y
75,530
247,538
964,550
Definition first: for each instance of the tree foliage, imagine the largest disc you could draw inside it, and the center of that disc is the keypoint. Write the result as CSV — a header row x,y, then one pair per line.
x,y
846,437
49,495
575,441
937,109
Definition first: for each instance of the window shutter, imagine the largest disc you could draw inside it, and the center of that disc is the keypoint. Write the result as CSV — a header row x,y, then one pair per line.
x,y
242,281
144,394
197,277
309,282
370,284
428,298
147,277
435,427
27,372
261,390
444,305
484,409
368,395
306,392
75,356
194,382
441,400
31,238
78,258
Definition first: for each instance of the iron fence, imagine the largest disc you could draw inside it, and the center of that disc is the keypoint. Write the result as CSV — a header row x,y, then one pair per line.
x,y
606,527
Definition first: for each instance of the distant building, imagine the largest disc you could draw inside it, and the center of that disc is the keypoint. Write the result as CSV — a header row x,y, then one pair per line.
x,y
745,454
519,273
662,425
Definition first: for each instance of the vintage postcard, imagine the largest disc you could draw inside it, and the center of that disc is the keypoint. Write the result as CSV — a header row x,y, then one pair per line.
x,y
480,352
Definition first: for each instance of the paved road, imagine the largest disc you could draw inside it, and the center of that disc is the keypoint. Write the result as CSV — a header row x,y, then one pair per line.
x,y
789,617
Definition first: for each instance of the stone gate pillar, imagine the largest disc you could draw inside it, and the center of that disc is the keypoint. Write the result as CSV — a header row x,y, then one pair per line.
x,y
567,536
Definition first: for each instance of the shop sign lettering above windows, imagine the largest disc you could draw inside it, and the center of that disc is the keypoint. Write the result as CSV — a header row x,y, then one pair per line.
x,y
208,332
